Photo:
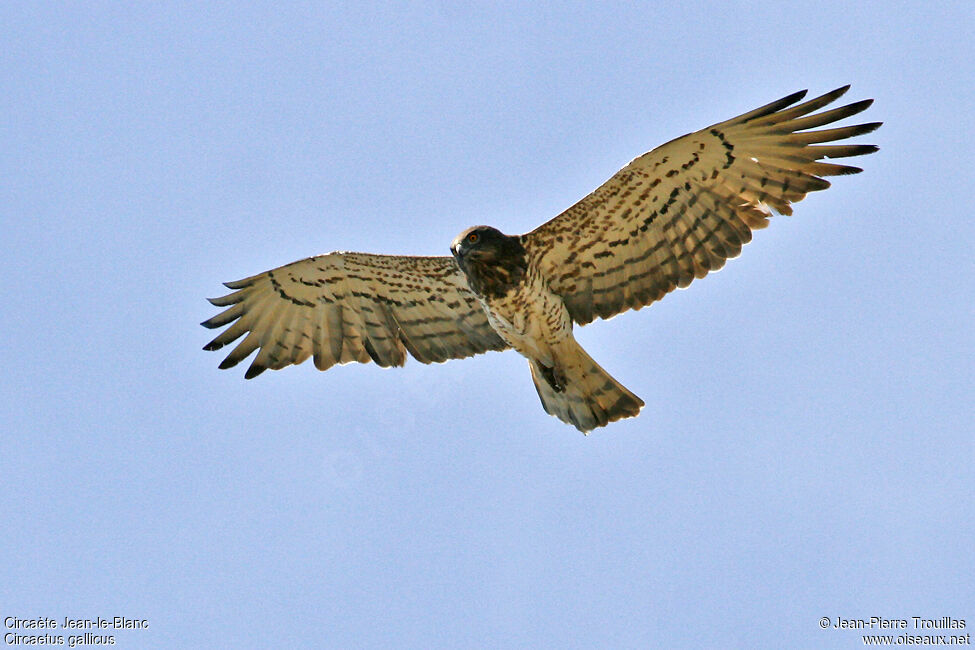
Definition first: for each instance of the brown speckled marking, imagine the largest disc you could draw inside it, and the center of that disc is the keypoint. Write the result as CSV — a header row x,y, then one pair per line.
x,y
346,307
670,216
678,212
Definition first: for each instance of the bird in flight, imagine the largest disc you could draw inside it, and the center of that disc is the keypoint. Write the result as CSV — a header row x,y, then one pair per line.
x,y
670,216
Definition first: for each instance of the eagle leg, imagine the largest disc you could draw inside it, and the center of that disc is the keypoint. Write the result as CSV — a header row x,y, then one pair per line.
x,y
554,378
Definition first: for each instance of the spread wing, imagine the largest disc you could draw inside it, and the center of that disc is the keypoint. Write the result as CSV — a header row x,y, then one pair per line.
x,y
681,210
346,307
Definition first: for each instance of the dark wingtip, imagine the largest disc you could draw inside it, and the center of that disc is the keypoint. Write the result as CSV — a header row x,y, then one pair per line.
x,y
778,105
857,107
254,371
227,363
869,127
793,98
212,345
818,184
240,284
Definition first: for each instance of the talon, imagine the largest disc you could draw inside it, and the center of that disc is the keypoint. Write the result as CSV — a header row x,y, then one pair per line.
x,y
555,378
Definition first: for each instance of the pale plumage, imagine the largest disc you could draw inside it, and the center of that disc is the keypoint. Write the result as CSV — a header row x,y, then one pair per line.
x,y
346,307
671,215
681,210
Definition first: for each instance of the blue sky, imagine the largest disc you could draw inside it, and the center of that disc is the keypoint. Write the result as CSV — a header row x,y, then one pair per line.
x,y
807,445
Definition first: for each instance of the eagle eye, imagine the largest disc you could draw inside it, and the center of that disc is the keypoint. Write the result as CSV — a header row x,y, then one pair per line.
x,y
472,238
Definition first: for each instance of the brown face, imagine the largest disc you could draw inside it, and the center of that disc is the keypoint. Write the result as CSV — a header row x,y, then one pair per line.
x,y
480,243
492,261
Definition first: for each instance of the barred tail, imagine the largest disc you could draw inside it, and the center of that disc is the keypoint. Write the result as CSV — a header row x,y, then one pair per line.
x,y
578,392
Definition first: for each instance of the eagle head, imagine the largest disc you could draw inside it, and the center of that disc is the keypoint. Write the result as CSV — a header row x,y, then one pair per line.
x,y
479,242
492,261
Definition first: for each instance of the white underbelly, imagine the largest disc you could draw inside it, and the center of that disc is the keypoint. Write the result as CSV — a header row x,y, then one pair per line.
x,y
532,321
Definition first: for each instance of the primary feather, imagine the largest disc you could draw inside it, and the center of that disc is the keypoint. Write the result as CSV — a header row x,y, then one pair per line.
x,y
670,216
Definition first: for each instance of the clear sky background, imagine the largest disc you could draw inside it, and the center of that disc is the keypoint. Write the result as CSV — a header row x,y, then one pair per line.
x,y
807,445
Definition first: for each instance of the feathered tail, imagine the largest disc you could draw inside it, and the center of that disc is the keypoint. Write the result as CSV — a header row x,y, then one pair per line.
x,y
579,392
